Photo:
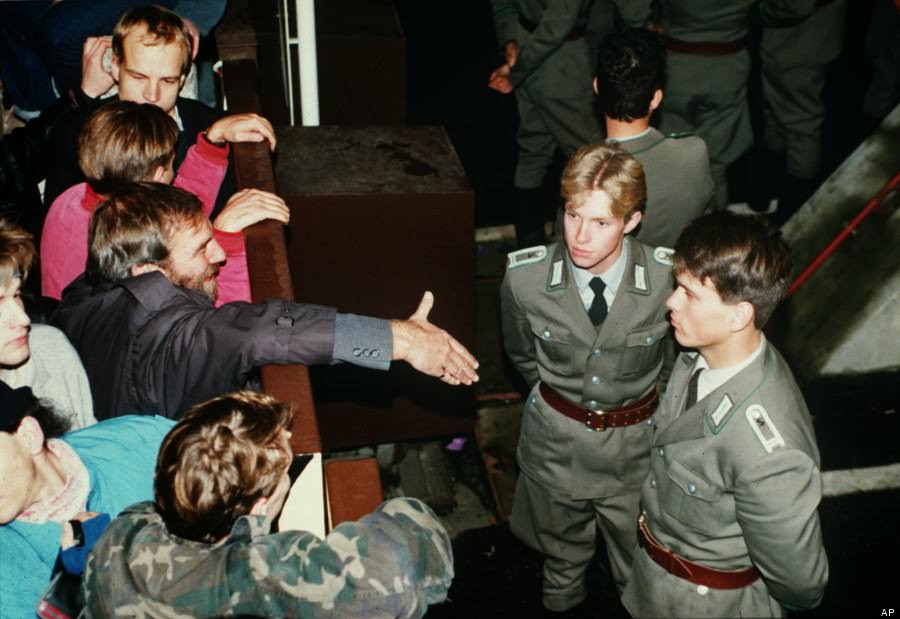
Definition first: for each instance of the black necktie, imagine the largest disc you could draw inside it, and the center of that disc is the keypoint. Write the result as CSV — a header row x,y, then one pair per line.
x,y
692,388
598,310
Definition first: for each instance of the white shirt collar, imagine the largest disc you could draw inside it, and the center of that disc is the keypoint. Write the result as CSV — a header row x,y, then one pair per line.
x,y
712,379
630,137
612,278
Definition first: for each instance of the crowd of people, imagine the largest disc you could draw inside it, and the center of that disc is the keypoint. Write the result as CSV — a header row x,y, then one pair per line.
x,y
136,458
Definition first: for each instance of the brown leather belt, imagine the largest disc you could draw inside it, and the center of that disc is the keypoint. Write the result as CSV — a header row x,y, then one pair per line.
x,y
628,415
530,26
690,571
704,48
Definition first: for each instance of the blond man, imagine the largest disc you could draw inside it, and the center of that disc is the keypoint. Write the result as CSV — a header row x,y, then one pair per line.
x,y
584,322
151,58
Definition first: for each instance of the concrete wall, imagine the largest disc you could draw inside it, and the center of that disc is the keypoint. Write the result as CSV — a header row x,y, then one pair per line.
x,y
844,319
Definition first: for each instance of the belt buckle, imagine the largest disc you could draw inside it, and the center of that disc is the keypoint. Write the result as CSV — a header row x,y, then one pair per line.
x,y
596,421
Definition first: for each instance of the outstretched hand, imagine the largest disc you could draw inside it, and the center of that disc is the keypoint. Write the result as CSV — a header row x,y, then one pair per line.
x,y
430,349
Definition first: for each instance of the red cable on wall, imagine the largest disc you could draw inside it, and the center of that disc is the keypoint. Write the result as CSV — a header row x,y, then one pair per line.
x,y
874,203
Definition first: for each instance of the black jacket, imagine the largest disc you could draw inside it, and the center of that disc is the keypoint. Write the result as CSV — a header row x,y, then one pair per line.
x,y
150,347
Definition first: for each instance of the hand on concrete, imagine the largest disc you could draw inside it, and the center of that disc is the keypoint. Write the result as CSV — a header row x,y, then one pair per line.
x,y
95,80
67,539
430,349
242,128
248,207
499,80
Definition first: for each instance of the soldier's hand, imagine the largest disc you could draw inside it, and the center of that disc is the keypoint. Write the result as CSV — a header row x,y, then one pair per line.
x,y
430,349
249,206
242,128
499,80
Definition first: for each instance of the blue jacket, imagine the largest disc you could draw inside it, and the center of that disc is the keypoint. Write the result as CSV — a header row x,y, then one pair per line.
x,y
120,456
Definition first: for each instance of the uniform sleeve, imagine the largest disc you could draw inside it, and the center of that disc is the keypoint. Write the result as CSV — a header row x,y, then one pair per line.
x,y
776,501
202,171
518,340
634,13
506,18
783,12
552,29
394,562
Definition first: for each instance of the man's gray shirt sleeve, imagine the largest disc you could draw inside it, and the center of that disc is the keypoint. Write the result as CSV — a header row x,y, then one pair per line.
x,y
363,341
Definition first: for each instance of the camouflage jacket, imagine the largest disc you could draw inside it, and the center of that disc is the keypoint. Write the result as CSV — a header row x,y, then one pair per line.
x,y
393,562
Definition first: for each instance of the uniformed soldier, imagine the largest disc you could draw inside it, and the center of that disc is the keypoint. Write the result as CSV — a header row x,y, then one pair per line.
x,y
584,323
549,68
728,524
629,84
794,61
708,66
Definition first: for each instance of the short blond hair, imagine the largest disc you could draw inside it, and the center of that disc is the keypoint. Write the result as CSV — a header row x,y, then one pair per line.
x,y
223,456
16,252
159,25
608,168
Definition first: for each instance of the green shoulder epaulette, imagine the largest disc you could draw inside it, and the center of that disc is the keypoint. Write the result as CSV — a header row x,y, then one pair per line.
x,y
678,136
525,256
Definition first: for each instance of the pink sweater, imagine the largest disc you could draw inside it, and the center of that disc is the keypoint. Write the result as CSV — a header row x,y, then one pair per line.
x,y
64,246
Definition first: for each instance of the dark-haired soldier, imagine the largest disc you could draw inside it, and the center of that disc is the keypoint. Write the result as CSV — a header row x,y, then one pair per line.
x,y
629,84
728,523
49,478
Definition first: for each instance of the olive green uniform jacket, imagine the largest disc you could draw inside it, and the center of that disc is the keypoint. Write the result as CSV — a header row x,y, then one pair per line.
x,y
549,338
551,80
734,481
707,95
679,185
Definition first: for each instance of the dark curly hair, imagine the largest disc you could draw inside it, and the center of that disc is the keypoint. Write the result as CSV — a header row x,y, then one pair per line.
x,y
631,67
52,423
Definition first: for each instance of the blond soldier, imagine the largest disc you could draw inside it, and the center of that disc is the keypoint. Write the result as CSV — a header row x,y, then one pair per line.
x,y
585,324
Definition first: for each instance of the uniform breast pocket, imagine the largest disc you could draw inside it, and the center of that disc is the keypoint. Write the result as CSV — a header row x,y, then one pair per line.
x,y
695,502
553,341
644,349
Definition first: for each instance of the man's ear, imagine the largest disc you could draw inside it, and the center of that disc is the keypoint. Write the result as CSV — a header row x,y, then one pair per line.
x,y
114,67
260,507
632,222
158,175
147,267
656,100
743,315
31,435
596,92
